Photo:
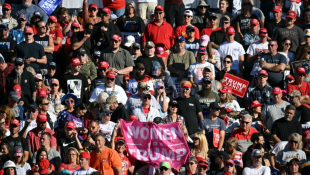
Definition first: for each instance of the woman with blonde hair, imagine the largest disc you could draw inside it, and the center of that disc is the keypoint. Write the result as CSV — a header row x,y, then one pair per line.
x,y
230,167
200,146
22,167
8,115
230,147
88,67
227,100
71,160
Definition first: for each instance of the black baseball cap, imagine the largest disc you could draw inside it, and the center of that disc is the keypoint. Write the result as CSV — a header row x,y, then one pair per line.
x,y
215,105
222,154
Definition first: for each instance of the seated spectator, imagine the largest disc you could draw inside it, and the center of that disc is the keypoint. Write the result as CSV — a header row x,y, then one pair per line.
x,y
213,54
6,16
230,167
8,114
258,120
294,150
17,109
165,168
191,165
236,156
7,44
22,167
55,96
173,114
223,10
120,148
116,110
84,164
212,26
302,112
256,138
275,152
289,55
200,19
5,153
257,167
215,85
93,130
294,166
29,8
105,124
71,162
265,161
227,100
17,33
146,112
77,116
159,74
203,166
192,44
200,146
220,158
42,156
244,133
9,167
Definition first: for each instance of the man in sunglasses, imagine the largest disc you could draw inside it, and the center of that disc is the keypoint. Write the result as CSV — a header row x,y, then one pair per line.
x,y
302,112
51,73
206,95
17,33
165,168
6,17
212,25
90,14
7,44
257,168
301,85
244,133
43,108
285,126
145,112
276,22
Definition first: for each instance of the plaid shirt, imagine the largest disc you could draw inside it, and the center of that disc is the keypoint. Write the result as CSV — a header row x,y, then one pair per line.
x,y
56,103
168,119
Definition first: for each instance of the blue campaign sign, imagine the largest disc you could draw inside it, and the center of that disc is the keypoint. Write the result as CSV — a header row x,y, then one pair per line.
x,y
49,5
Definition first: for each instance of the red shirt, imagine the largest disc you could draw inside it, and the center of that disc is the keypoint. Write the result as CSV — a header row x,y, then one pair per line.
x,y
181,30
208,31
54,34
304,89
125,165
244,140
113,4
33,138
160,35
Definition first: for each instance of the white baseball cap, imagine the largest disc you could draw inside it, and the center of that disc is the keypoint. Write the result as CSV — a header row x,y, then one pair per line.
x,y
129,41
188,12
307,32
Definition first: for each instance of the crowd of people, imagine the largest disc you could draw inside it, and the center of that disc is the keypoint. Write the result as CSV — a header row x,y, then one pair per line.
x,y
66,81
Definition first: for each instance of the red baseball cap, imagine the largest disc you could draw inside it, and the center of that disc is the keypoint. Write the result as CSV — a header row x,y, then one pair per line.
x,y
116,37
75,62
226,89
230,30
186,84
263,72
277,9
255,104
254,22
71,125
229,161
53,18
41,92
132,118
17,89
41,118
228,173
85,155
290,77
103,64
6,6
75,24
126,77
291,14
43,166
263,32
111,74
159,8
202,161
276,90
28,30
14,122
92,5
106,10
300,70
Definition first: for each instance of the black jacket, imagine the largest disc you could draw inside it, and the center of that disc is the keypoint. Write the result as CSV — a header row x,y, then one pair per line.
x,y
120,113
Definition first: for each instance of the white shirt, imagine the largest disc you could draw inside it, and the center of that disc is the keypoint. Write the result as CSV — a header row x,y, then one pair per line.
x,y
132,86
84,172
145,118
107,129
263,170
254,49
234,106
196,71
279,147
118,92
234,49
23,170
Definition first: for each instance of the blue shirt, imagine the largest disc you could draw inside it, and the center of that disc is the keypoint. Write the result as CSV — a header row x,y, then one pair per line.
x,y
17,35
249,38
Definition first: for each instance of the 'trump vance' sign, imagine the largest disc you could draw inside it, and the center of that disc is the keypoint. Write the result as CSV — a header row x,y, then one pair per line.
x,y
49,5
152,143
238,85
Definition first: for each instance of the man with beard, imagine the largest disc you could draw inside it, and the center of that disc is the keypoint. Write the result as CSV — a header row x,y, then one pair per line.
x,y
6,17
149,57
300,85
93,130
28,9
302,112
285,126
111,88
206,95
24,78
118,109
140,76
33,136
257,168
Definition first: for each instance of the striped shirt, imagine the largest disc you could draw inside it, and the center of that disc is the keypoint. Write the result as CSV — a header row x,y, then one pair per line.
x,y
238,159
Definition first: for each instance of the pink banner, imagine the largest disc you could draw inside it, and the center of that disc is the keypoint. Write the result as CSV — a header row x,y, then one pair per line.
x,y
152,143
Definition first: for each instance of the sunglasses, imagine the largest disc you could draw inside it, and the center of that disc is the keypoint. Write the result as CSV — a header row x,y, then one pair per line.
x,y
293,141
145,89
226,62
141,69
27,34
18,65
92,10
229,165
287,80
204,167
302,75
223,22
69,101
158,13
262,76
244,122
108,113
54,85
185,89
308,52
114,41
190,163
31,110
74,28
202,7
43,27
288,44
161,88
149,98
45,104
195,138
270,45
111,79
103,69
213,18
187,16
3,29
94,127
290,97
247,4
126,80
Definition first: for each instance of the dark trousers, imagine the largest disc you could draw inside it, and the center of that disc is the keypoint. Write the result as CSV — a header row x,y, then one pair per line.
x,y
278,84
174,13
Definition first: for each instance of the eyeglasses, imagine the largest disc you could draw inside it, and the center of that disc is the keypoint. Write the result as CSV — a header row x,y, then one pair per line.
x,y
45,104
229,165
223,22
262,76
108,113
187,16
185,89
31,111
141,69
161,88
71,154
149,98
288,80
94,127
270,45
27,34
163,169
293,141
54,85
92,10
226,62
43,27
51,68
69,101
244,122
190,163
111,79
195,138
158,13
114,41
246,4
290,97
288,44
103,69
74,28
145,89
302,75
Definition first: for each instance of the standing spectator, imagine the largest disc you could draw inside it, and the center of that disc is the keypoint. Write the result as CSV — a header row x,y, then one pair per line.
x,y
223,5
90,14
5,70
6,16
118,110
302,113
180,60
200,19
190,108
274,64
192,43
28,8
55,96
17,33
276,22
200,146
159,25
252,34
7,44
285,126
43,107
290,56
173,114
227,63
207,95
275,109
220,158
233,48
145,9
306,19
212,25
56,34
22,77
71,162
88,67
22,166
130,21
174,11
113,163
146,113
118,58
256,168
62,15
290,31
84,164
181,30
117,7
227,100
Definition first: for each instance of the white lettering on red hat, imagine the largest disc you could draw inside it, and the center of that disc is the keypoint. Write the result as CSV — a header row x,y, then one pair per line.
x,y
115,37
25,80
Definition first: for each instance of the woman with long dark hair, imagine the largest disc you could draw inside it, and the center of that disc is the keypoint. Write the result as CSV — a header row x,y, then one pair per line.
x,y
9,168
258,120
173,114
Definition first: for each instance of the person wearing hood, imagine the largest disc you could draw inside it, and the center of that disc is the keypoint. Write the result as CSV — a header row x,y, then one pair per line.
x,y
132,86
